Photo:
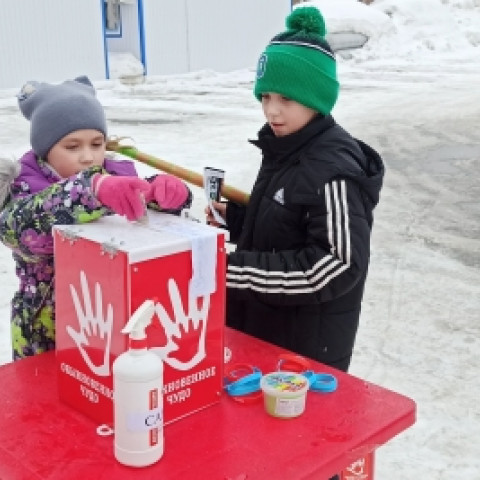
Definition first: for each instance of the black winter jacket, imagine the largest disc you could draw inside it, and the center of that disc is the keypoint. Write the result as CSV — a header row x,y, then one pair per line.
x,y
297,276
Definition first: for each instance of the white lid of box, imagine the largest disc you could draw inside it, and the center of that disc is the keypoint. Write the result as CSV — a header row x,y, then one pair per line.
x,y
159,235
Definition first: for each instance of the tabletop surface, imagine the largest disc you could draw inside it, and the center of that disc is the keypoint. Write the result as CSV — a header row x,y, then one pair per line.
x,y
41,438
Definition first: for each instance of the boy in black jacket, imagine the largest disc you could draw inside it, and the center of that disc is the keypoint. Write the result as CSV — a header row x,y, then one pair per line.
x,y
297,276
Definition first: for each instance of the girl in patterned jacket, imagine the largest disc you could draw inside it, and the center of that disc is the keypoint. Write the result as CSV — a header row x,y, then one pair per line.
x,y
64,179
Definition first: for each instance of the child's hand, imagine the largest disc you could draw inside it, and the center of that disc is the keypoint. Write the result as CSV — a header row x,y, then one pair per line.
x,y
168,191
221,208
123,195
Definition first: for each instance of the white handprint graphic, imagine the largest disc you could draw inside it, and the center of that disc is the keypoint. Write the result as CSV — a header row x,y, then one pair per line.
x,y
93,327
180,325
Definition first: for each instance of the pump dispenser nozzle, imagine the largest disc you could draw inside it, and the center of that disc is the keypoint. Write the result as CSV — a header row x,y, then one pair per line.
x,y
140,320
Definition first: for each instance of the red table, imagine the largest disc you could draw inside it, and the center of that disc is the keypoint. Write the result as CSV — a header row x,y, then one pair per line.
x,y
41,438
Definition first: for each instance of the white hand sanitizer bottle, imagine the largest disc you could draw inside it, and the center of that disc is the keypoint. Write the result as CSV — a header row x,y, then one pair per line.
x,y
138,400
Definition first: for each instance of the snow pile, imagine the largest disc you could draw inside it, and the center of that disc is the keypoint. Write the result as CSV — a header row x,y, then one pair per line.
x,y
343,16
125,66
414,30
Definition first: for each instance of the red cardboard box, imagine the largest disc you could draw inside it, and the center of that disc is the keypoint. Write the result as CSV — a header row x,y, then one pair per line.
x,y
105,270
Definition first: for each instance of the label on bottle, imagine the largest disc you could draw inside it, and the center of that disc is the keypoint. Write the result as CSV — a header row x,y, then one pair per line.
x,y
143,421
149,420
153,434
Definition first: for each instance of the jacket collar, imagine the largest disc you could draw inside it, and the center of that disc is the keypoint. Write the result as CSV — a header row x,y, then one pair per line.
x,y
281,147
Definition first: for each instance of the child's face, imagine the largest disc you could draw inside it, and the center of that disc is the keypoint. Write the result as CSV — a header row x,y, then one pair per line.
x,y
285,116
77,151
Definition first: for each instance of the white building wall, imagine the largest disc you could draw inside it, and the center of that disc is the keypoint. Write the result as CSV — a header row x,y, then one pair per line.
x,y
221,35
231,34
50,40
166,47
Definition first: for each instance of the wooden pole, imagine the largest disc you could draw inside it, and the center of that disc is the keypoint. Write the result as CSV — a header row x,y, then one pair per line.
x,y
227,191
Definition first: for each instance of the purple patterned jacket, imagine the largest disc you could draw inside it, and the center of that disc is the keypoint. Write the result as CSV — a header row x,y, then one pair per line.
x,y
38,200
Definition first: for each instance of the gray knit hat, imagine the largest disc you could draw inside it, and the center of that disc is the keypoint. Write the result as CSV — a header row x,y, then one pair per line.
x,y
57,110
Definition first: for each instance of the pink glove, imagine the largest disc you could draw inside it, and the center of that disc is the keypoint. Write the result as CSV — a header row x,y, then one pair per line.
x,y
168,191
123,195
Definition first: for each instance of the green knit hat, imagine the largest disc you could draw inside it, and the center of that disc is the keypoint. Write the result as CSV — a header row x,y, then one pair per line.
x,y
299,64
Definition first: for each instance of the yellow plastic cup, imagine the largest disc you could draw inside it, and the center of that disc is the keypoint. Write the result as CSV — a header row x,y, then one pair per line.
x,y
284,393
